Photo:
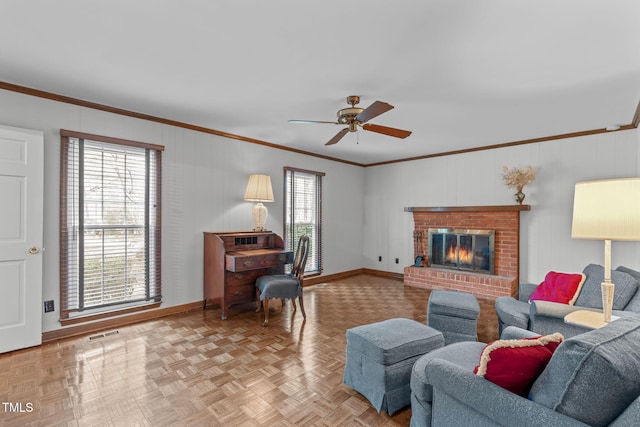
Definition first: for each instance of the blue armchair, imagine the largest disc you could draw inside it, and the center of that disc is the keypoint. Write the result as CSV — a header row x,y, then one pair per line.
x,y
545,317
591,379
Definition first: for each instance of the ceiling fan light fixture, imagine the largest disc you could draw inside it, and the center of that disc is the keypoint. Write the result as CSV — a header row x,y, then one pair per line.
x,y
347,115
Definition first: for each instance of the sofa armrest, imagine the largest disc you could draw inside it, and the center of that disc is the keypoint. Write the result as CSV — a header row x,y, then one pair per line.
x,y
525,290
553,309
478,397
547,317
630,416
514,333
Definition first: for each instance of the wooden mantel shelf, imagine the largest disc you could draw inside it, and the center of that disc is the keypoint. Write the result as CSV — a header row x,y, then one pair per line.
x,y
496,208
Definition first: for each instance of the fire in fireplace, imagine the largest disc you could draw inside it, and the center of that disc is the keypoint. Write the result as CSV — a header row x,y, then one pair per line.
x,y
462,249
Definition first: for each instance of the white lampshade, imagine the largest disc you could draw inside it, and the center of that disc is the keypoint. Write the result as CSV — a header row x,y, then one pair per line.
x,y
607,210
259,190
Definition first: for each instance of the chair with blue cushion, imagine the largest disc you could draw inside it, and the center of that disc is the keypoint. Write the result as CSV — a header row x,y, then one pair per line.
x,y
284,286
546,317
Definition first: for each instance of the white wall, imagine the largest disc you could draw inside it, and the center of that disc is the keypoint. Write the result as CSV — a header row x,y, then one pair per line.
x,y
204,177
475,179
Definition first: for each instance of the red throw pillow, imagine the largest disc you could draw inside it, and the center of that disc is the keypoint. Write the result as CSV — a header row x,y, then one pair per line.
x,y
559,287
515,364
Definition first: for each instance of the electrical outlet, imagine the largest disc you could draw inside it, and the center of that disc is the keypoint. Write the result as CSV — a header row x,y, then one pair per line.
x,y
48,306
379,259
397,260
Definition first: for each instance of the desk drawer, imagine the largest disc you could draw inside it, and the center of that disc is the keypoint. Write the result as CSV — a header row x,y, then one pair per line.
x,y
240,294
255,262
244,277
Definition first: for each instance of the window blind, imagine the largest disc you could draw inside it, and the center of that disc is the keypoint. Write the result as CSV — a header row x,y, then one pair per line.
x,y
303,213
109,222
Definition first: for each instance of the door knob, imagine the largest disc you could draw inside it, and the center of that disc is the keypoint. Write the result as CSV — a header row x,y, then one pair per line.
x,y
34,250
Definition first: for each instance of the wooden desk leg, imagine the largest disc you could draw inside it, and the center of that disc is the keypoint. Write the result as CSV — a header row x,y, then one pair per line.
x,y
224,306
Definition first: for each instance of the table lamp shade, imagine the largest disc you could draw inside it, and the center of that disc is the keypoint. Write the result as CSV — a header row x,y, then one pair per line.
x,y
607,210
259,190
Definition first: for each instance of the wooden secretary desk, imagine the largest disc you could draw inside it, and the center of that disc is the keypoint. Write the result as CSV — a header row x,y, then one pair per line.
x,y
233,261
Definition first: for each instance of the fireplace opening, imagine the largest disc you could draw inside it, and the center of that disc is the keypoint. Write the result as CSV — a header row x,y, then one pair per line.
x,y
462,249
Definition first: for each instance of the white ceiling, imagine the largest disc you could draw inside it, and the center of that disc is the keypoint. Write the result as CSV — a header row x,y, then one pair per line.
x,y
461,74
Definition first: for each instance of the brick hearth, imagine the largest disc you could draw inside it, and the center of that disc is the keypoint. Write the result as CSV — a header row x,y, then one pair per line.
x,y
505,220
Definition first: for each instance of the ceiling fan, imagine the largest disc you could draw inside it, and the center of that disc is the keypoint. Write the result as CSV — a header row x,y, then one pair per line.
x,y
355,116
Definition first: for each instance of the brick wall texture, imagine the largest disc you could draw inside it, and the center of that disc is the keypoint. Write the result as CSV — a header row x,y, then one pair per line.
x,y
507,253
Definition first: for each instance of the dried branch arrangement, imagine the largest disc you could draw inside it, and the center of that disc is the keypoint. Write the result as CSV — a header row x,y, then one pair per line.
x,y
517,178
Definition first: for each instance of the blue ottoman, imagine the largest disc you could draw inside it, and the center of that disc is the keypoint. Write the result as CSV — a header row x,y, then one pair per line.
x,y
380,357
455,314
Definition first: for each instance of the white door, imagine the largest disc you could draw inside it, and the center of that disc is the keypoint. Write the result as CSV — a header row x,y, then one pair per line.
x,y
21,218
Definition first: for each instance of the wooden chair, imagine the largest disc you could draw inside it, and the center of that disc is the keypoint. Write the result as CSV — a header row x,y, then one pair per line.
x,y
284,286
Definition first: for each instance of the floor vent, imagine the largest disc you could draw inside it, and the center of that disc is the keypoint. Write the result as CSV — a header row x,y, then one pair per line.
x,y
106,334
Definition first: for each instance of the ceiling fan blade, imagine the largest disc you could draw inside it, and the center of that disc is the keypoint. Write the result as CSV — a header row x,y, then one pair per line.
x,y
310,121
338,136
373,110
398,133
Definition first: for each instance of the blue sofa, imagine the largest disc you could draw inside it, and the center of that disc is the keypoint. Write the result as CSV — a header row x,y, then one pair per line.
x,y
545,317
591,379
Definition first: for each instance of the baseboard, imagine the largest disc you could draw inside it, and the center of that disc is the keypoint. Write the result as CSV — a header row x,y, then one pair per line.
x,y
387,274
117,322
346,274
314,280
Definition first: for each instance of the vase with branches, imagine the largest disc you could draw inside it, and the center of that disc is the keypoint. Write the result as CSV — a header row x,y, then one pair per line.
x,y
517,178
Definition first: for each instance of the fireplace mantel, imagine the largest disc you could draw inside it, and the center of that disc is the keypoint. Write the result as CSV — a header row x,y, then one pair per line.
x,y
497,208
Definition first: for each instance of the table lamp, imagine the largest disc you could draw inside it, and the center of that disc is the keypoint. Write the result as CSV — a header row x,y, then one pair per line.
x,y
259,190
607,210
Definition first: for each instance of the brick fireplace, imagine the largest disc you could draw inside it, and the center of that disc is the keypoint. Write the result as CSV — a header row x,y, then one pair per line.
x,y
504,220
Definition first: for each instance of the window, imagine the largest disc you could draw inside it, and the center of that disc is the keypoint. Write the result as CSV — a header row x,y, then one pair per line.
x,y
109,225
303,213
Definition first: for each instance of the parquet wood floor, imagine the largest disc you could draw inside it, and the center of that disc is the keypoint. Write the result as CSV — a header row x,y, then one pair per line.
x,y
197,370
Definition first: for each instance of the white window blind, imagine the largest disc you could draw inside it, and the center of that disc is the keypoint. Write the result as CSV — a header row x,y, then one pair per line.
x,y
110,223
303,213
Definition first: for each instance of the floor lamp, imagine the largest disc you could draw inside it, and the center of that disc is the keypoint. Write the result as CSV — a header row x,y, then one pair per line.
x,y
607,210
259,190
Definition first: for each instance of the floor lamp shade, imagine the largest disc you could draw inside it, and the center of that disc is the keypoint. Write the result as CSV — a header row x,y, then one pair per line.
x,y
259,190
607,210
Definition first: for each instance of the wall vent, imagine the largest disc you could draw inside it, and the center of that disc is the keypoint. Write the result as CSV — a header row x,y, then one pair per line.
x,y
106,334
